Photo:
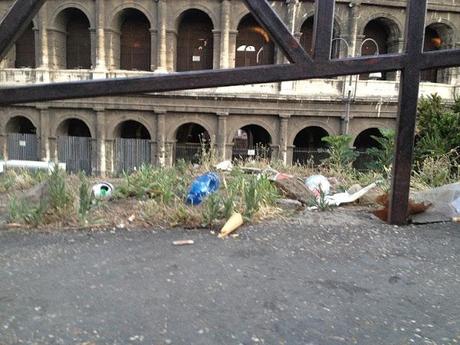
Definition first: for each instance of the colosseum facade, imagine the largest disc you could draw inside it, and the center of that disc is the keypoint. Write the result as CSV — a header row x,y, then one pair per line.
x,y
73,40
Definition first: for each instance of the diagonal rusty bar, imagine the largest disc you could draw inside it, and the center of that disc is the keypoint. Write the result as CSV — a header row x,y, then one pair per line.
x,y
322,33
197,80
407,113
16,21
268,18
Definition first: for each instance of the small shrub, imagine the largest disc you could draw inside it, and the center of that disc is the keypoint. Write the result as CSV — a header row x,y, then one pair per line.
x,y
258,191
382,156
23,212
161,184
341,154
212,210
59,196
321,203
437,127
438,170
20,179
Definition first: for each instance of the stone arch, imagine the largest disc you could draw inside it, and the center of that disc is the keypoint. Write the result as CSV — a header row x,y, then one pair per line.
x,y
178,14
306,27
364,125
252,141
439,35
310,123
72,38
115,15
257,122
63,119
18,115
76,5
24,48
73,127
392,23
171,134
195,41
310,131
131,45
22,139
445,28
364,139
20,124
238,18
191,139
254,45
308,145
111,130
131,129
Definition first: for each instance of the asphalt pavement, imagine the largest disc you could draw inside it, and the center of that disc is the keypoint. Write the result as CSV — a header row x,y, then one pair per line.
x,y
329,278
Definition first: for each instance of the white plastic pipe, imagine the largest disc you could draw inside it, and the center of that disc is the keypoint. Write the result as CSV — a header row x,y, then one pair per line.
x,y
31,165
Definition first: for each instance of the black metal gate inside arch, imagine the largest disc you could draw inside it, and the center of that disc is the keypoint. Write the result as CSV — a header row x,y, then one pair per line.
x,y
302,66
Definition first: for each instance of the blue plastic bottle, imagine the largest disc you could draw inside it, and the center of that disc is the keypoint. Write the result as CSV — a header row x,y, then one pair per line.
x,y
201,187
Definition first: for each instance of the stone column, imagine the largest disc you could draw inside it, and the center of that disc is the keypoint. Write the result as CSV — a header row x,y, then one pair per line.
x,y
161,37
216,34
224,34
43,44
153,49
161,135
171,38
290,20
3,136
43,38
354,37
284,124
232,48
101,157
44,154
222,135
100,36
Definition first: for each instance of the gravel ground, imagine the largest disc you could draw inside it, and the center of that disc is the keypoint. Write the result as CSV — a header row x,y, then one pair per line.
x,y
323,278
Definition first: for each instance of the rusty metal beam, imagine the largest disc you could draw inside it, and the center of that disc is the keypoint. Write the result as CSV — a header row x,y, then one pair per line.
x,y
16,21
407,113
266,17
197,80
324,26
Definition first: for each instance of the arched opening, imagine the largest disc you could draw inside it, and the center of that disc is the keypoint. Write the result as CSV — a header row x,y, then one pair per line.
x,y
253,44
132,146
22,141
74,128
75,145
73,39
195,41
309,146
438,36
135,42
252,142
132,130
191,140
380,37
339,48
363,142
25,49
